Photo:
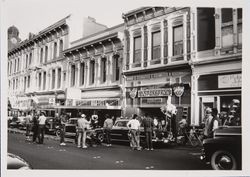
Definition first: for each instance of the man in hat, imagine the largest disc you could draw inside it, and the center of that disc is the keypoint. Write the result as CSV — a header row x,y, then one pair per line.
x,y
211,123
82,125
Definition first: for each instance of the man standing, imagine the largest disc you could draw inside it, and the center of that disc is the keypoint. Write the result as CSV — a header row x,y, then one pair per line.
x,y
211,123
82,125
28,120
148,125
134,127
62,122
41,127
35,126
108,124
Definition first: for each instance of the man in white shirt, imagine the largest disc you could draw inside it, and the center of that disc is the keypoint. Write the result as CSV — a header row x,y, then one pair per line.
x,y
134,128
41,127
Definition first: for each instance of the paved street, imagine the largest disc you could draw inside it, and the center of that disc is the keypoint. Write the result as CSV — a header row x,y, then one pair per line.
x,y
52,156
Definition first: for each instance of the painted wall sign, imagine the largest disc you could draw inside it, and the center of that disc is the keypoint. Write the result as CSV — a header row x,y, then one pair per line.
x,y
155,92
152,100
229,81
133,93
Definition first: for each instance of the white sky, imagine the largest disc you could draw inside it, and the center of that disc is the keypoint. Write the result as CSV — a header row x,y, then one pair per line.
x,y
35,15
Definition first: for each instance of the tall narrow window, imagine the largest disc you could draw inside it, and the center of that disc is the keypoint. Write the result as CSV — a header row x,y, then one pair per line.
x,y
116,68
227,33
41,55
14,81
55,50
40,81
30,59
103,69
73,75
156,45
59,78
92,72
44,80
25,83
10,67
28,81
205,28
53,78
137,49
227,15
177,40
17,83
82,73
26,61
15,66
46,54
18,64
60,47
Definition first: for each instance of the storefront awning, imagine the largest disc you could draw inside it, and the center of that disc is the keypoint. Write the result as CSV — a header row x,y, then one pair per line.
x,y
101,94
89,107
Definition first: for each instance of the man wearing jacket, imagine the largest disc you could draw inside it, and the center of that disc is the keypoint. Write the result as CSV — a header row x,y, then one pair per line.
x,y
148,125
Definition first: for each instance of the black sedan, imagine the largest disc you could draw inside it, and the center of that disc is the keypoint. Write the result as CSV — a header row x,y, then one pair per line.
x,y
224,150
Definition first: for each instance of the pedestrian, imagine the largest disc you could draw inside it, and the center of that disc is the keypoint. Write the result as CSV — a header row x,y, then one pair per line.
x,y
35,127
62,122
183,125
211,123
41,127
148,125
134,128
82,125
28,120
107,126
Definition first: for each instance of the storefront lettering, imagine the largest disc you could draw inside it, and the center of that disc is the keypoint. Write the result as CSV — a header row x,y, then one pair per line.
x,y
114,102
152,101
229,81
155,92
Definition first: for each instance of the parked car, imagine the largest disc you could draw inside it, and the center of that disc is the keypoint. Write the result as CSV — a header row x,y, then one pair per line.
x,y
15,162
17,122
71,131
224,150
120,132
51,125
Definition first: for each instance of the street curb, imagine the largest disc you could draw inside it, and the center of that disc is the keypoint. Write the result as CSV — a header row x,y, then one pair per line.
x,y
23,132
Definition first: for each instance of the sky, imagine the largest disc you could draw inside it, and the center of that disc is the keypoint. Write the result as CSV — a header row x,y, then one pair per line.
x,y
35,15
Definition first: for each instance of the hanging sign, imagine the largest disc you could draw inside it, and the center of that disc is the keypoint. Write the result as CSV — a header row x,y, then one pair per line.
x,y
178,90
133,93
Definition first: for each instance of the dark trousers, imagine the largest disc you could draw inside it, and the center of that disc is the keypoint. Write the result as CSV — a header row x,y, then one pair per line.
x,y
28,128
41,130
148,135
62,134
107,132
35,132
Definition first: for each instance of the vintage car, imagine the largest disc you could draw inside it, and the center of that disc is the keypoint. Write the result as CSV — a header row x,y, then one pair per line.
x,y
51,126
15,162
120,132
224,150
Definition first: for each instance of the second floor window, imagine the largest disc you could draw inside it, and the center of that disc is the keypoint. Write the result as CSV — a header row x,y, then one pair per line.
x,y
178,40
30,59
26,61
92,72
82,73
55,50
25,83
41,55
137,49
116,68
44,80
60,47
156,45
59,77
53,78
18,64
40,81
103,69
46,54
73,75
227,15
28,81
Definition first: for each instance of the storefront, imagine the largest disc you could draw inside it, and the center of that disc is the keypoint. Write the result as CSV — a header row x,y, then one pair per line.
x,y
218,91
148,92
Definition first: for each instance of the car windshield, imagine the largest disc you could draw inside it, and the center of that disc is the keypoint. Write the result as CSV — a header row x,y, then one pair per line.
x,y
121,123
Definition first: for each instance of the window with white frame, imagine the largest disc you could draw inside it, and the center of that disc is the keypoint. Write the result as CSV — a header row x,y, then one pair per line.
x,y
73,75
137,49
104,69
60,47
53,78
46,54
59,77
55,50
116,67
177,40
39,81
156,45
44,80
41,55
92,72
82,73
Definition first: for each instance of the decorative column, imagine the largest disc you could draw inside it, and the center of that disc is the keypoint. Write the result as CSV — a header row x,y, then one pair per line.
x,y
170,41
98,69
165,36
131,49
194,101
127,50
149,45
77,75
217,31
145,48
86,75
185,36
56,78
162,42
235,30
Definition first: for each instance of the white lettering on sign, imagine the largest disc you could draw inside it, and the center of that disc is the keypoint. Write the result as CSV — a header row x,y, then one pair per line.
x,y
229,81
155,92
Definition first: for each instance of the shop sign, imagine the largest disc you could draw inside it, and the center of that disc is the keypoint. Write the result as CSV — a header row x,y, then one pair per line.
x,y
52,101
229,81
113,102
133,93
152,101
155,92
156,75
178,90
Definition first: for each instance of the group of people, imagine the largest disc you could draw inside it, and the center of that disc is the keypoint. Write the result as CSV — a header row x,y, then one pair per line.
x,y
35,122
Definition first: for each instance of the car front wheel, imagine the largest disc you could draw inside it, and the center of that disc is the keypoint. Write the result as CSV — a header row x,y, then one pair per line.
x,y
100,137
58,132
223,160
